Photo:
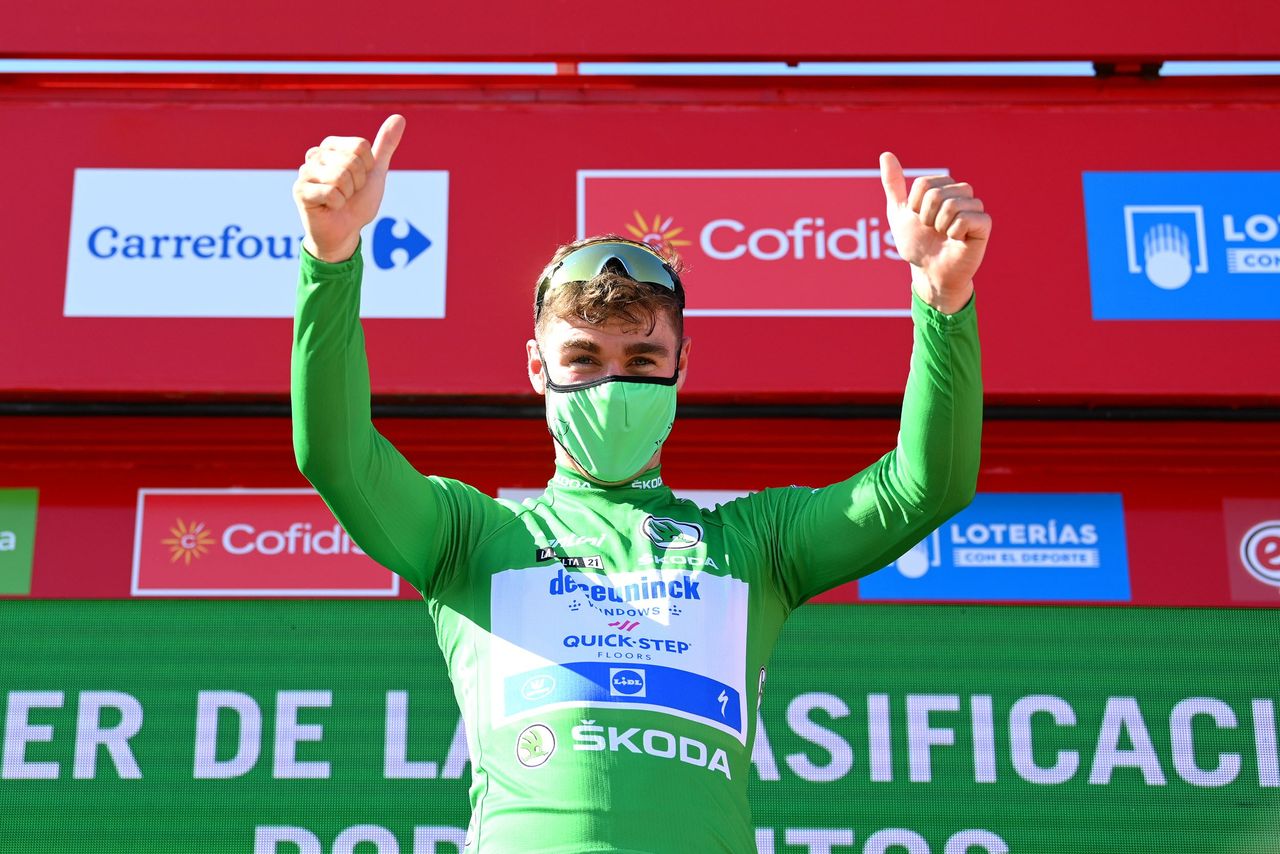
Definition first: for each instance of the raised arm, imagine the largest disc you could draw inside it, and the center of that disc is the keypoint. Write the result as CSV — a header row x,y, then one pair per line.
x,y
840,532
391,511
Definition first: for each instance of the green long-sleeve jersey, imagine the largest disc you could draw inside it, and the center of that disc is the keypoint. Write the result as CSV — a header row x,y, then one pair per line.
x,y
607,645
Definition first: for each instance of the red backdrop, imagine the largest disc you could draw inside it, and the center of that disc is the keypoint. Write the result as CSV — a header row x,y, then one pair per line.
x,y
513,154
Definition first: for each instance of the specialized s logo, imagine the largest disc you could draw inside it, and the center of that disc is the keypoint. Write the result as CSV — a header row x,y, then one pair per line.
x,y
667,533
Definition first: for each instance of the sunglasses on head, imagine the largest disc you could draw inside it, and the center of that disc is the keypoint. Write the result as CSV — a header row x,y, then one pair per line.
x,y
633,260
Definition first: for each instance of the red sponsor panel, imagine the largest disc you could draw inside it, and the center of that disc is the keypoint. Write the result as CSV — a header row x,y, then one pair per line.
x,y
725,29
1172,477
248,542
760,243
513,170
1253,549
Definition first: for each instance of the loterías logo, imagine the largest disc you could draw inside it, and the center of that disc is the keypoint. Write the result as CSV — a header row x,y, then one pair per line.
x,y
139,249
822,232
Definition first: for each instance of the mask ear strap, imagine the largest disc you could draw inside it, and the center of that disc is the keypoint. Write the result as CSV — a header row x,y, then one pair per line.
x,y
611,378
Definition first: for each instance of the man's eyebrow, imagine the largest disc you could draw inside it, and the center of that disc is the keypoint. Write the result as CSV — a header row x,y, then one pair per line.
x,y
586,345
641,347
581,344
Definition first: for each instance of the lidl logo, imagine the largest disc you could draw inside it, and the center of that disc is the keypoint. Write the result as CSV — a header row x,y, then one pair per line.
x,y
1028,547
1253,549
248,542
140,248
783,242
17,540
626,682
1183,245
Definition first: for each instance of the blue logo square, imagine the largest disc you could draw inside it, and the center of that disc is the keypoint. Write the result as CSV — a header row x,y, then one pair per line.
x,y
1016,547
1183,245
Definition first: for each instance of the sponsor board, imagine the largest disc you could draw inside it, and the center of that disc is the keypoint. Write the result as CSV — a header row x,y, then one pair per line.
x,y
1016,547
141,247
763,242
1253,549
1183,245
248,542
17,540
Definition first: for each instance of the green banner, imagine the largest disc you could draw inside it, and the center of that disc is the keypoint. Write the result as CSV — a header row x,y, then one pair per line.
x,y
17,540
291,727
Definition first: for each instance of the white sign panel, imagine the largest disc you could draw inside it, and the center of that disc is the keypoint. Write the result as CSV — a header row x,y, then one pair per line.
x,y
226,243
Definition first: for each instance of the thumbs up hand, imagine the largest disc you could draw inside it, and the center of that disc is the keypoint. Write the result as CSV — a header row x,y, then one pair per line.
x,y
339,189
940,229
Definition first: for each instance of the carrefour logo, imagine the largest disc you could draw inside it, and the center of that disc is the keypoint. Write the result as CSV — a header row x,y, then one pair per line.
x,y
219,243
1183,245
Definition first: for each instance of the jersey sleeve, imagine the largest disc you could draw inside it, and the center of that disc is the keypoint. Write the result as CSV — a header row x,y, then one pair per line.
x,y
825,537
419,527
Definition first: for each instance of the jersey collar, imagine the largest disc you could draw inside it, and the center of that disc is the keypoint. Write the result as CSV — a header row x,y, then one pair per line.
x,y
648,484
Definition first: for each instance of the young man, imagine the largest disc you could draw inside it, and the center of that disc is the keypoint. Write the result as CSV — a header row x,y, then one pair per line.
x,y
607,642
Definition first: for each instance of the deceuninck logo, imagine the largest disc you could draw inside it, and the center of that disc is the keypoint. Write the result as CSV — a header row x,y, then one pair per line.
x,y
1183,245
17,540
782,242
138,248
248,542
1016,547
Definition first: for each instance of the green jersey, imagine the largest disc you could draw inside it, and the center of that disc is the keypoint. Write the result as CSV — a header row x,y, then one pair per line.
x,y
607,645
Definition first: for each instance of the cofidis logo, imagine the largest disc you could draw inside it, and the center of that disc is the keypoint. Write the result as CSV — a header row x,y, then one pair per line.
x,y
248,542
1183,245
1031,547
220,243
786,242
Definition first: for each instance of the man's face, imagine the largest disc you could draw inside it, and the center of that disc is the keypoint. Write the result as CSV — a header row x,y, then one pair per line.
x,y
577,351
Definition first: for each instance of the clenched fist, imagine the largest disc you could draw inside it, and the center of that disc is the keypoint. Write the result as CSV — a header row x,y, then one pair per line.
x,y
339,189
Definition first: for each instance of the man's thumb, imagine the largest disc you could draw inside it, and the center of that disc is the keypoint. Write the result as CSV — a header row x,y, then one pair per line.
x,y
384,145
895,185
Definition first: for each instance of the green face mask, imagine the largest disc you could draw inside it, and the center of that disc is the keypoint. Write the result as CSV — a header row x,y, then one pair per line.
x,y
614,425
